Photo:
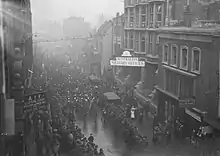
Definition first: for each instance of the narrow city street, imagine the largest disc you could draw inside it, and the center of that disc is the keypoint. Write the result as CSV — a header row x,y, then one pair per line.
x,y
108,137
103,133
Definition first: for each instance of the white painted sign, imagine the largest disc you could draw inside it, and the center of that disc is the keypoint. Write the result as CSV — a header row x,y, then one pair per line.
x,y
126,59
127,63
126,53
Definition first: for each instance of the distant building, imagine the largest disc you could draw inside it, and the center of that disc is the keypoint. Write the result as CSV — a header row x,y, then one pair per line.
x,y
105,41
76,27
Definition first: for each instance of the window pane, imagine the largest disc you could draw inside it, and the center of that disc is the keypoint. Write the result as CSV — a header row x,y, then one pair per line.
x,y
184,58
159,17
143,10
143,44
196,60
143,18
165,53
174,55
159,9
152,9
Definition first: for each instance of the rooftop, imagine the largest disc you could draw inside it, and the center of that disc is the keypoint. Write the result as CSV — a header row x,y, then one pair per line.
x,y
198,26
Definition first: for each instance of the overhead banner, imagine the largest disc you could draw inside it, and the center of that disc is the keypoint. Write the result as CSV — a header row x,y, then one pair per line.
x,y
127,63
127,60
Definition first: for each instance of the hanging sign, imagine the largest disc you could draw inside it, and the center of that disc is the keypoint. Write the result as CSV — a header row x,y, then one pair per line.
x,y
35,102
127,60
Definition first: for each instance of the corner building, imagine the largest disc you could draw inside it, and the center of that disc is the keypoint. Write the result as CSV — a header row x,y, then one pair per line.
x,y
142,19
188,71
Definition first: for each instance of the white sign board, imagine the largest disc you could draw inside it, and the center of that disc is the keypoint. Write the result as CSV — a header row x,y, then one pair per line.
x,y
130,63
126,59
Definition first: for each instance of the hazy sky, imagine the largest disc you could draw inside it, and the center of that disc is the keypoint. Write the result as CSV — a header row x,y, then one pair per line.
x,y
89,9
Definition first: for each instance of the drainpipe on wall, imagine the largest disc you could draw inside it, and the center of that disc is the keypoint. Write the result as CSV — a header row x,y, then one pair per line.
x,y
167,14
219,86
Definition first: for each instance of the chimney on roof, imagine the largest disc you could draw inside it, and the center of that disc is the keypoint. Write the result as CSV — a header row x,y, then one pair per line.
x,y
187,16
117,14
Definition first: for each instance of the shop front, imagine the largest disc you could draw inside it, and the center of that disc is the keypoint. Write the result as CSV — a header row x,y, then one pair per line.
x,y
184,118
168,107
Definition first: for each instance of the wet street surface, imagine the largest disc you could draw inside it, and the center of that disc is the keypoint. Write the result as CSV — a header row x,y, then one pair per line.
x,y
108,137
103,133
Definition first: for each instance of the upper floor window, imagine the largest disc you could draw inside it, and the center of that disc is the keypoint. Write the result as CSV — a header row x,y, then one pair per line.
x,y
150,43
131,40
143,20
151,15
143,10
165,53
159,15
137,18
137,41
126,39
131,12
143,43
174,57
196,59
131,19
184,57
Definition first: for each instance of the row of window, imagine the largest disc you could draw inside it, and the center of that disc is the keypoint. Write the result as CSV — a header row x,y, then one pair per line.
x,y
179,57
141,14
133,2
139,40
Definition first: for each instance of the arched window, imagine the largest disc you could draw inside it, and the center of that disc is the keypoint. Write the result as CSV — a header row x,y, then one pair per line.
x,y
165,53
184,57
196,59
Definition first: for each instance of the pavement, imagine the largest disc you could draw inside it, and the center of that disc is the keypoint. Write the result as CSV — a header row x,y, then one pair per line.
x,y
30,143
175,148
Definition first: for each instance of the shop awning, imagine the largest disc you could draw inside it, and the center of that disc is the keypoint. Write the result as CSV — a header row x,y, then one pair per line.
x,y
111,96
213,122
195,113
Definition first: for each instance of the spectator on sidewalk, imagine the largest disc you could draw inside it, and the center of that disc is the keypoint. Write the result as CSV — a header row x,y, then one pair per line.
x,y
91,138
101,152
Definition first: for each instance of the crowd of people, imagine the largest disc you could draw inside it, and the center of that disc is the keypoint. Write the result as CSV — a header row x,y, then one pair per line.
x,y
120,115
55,131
